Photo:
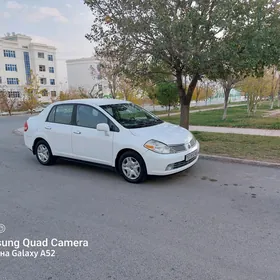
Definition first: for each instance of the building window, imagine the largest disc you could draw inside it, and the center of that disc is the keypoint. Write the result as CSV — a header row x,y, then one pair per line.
x,y
43,81
0,80
14,94
42,68
8,53
53,93
51,69
12,81
50,57
11,67
24,47
27,67
41,55
52,82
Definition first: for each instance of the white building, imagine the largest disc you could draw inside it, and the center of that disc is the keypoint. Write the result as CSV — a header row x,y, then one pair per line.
x,y
18,56
84,73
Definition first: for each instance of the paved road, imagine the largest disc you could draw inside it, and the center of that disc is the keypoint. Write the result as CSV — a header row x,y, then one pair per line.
x,y
215,221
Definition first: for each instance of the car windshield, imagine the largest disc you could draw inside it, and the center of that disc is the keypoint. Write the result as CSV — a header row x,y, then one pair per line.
x,y
131,116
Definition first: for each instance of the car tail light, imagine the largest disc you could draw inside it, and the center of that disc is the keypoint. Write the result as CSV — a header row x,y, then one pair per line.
x,y
25,126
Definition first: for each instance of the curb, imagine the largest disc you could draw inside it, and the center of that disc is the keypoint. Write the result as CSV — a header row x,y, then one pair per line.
x,y
240,161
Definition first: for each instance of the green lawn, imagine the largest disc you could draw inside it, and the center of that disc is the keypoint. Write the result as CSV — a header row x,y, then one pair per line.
x,y
161,112
262,148
236,117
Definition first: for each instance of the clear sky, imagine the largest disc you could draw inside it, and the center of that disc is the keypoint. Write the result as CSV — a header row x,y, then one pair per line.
x,y
61,23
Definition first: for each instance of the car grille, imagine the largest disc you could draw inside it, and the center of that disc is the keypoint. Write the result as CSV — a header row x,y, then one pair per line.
x,y
178,148
182,147
183,163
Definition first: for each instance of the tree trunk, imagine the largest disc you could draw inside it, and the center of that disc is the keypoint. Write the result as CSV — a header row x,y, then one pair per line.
x,y
184,115
255,109
185,98
272,103
227,92
169,107
10,112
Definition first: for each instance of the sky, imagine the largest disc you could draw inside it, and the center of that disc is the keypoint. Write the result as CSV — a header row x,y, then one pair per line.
x,y
60,23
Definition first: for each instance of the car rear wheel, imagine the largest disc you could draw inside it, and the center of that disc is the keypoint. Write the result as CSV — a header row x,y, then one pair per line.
x,y
43,153
132,167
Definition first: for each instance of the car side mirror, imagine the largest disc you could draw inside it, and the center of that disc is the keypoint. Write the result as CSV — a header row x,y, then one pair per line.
x,y
103,127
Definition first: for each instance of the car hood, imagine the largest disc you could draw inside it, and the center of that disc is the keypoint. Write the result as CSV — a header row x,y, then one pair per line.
x,y
167,133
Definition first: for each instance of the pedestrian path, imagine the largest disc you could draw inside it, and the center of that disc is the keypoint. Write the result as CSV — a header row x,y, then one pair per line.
x,y
235,130
201,110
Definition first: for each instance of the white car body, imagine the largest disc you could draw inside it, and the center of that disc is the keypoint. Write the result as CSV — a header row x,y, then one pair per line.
x,y
103,147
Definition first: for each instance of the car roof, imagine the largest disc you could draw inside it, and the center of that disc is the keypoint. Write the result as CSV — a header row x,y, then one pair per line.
x,y
94,101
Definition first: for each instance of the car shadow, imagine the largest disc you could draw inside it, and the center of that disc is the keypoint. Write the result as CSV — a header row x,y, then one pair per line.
x,y
75,167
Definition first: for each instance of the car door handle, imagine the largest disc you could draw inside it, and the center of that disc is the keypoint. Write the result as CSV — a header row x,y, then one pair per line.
x,y
77,132
48,127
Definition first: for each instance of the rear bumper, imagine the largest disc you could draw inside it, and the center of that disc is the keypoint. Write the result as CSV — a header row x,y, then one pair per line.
x,y
161,164
28,141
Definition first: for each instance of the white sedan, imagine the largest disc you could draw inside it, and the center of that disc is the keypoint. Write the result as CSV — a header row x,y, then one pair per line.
x,y
113,133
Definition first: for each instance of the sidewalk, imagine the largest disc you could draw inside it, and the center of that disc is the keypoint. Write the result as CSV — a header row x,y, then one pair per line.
x,y
244,131
201,110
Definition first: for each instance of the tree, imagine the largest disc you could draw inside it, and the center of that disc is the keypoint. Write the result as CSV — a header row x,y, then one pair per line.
x,y
255,89
31,93
191,38
73,93
125,88
110,67
228,84
150,89
275,80
203,91
197,94
8,102
167,95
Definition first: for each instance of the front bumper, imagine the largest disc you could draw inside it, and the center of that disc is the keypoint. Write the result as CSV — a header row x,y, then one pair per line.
x,y
167,164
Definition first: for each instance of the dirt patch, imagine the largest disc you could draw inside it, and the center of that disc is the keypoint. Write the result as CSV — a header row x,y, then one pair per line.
x,y
272,114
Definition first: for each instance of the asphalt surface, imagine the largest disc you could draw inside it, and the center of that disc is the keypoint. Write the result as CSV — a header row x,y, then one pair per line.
x,y
215,221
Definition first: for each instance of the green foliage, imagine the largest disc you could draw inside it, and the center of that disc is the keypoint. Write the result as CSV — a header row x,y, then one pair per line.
x,y
194,38
167,94
237,117
263,148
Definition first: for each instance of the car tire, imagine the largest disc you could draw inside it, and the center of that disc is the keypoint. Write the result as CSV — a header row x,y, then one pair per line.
x,y
132,167
43,153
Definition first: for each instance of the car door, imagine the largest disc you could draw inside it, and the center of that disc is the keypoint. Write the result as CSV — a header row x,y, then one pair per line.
x,y
58,129
88,143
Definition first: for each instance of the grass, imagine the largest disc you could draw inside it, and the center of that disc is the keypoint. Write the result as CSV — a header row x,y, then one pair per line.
x,y
262,148
236,117
161,112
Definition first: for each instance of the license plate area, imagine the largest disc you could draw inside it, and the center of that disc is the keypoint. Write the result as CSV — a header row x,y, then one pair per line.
x,y
191,155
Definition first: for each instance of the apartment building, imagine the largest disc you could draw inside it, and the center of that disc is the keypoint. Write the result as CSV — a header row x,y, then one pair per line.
x,y
18,56
85,73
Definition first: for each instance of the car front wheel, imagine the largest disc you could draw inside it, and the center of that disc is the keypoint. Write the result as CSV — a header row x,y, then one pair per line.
x,y
43,153
132,167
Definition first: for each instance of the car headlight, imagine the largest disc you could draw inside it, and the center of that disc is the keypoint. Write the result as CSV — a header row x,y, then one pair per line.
x,y
193,141
158,147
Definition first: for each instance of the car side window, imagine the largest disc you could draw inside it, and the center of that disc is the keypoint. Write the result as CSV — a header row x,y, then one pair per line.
x,y
90,117
61,114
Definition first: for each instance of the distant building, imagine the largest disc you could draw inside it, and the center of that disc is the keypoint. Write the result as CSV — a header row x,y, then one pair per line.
x,y
85,73
18,56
